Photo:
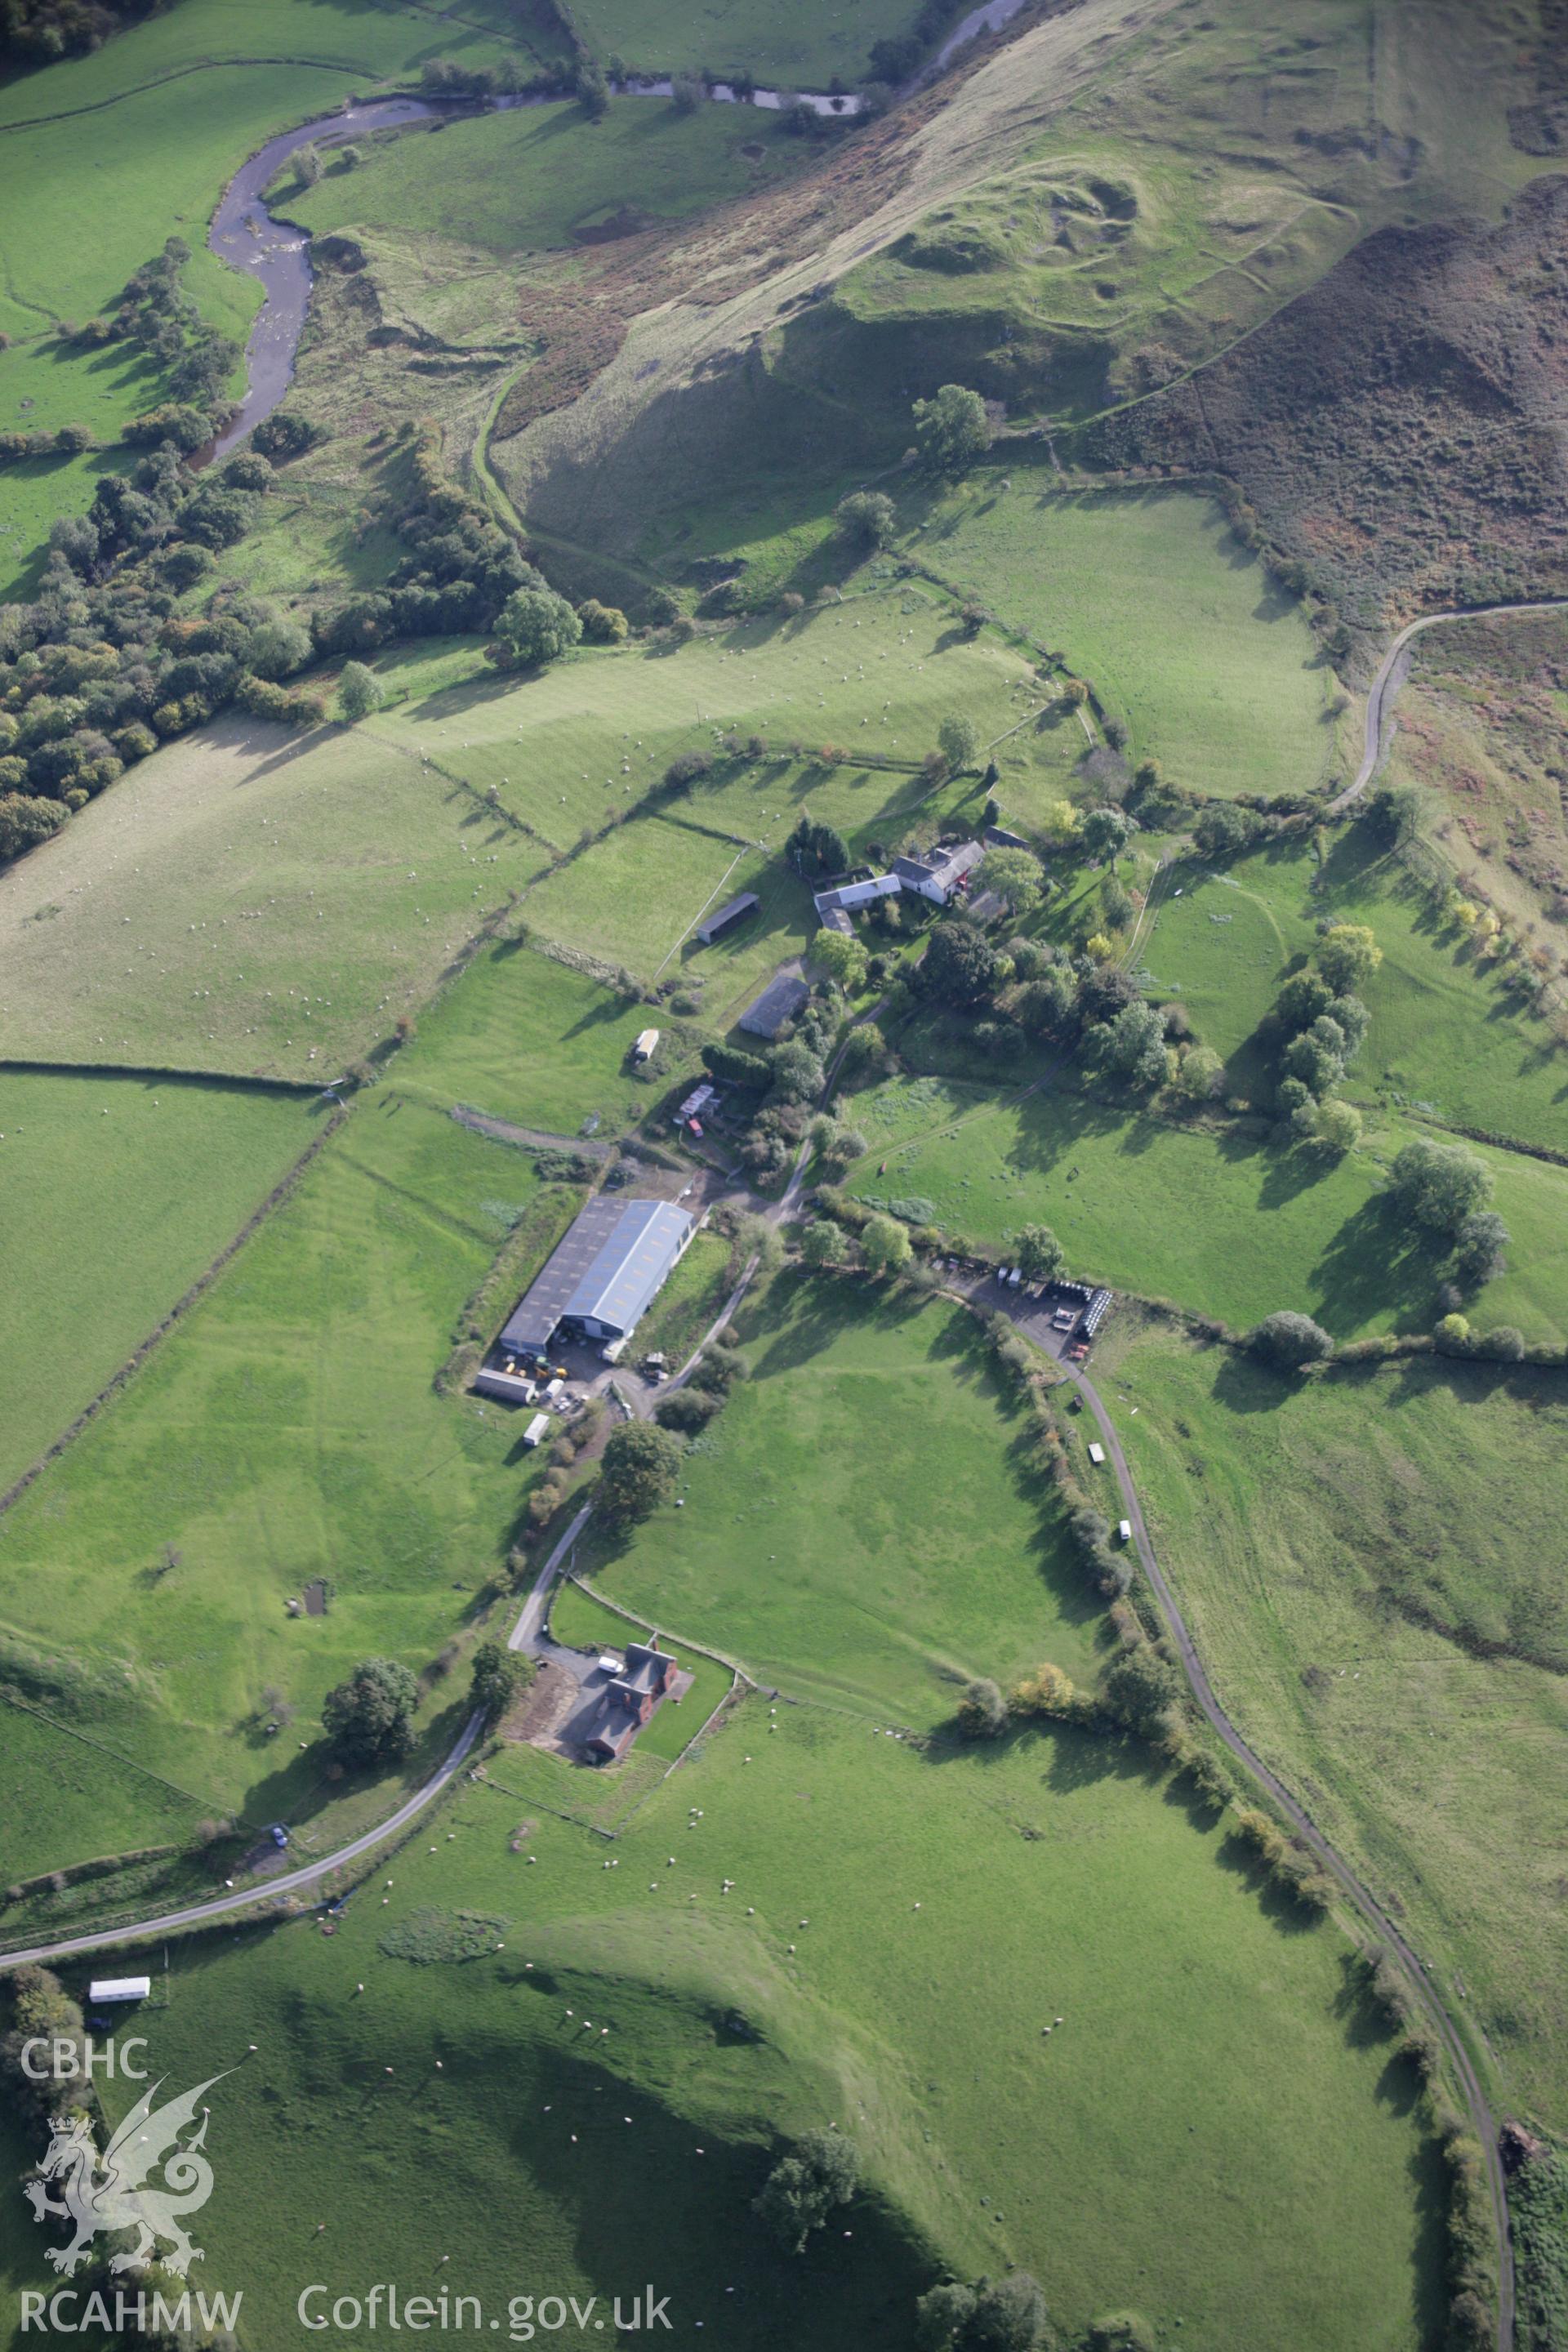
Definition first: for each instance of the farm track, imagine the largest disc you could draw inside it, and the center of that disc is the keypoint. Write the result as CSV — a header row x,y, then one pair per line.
x,y
527,1634
1388,681
1350,1884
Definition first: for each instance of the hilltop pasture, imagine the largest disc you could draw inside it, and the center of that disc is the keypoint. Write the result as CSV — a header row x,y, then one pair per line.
x,y
578,746
801,48
539,180
1148,594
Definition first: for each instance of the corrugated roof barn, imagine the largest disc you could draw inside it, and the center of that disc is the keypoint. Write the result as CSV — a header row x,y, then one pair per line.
x,y
602,1276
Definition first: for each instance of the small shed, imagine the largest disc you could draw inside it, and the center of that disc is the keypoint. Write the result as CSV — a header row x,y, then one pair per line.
x,y
1097,1455
107,1991
727,917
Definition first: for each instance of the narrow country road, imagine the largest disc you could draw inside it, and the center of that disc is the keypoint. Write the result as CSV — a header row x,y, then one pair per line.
x,y
224,1906
1386,685
528,1634
1036,1327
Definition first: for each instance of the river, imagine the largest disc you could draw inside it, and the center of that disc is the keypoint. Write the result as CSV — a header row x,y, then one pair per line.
x,y
249,238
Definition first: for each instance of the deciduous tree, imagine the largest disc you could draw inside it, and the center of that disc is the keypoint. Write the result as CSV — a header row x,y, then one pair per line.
x,y
958,740
535,626
1441,1185
358,693
885,1246
1348,955
369,1718
638,1472
806,2186
867,516
1039,1254
1289,1340
952,430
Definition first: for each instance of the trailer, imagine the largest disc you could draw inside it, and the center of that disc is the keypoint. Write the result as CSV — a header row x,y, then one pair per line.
x,y
537,1428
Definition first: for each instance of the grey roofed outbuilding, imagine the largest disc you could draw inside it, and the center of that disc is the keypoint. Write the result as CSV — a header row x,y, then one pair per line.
x,y
939,871
732,913
608,1265
779,1002
834,919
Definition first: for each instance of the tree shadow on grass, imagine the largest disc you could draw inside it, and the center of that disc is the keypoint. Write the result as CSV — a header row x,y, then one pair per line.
x,y
296,1791
1371,1268
819,1307
1286,1170
1283,1909
1204,1812
1245,1383
640,2202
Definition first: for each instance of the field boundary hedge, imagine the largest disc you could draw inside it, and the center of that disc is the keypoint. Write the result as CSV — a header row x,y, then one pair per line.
x,y
181,1308
167,1075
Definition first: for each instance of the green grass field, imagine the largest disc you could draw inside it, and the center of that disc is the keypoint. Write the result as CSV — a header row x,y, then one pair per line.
x,y
1226,1224
287,1429
1444,1034
1147,595
530,1040
578,745
1280,2203
287,899
802,48
115,1193
71,1791
636,898
690,1301
537,181
1369,1567
831,1536
347,868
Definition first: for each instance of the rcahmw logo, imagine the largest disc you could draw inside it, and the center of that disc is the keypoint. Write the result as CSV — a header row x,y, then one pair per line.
x,y
67,2312
117,2190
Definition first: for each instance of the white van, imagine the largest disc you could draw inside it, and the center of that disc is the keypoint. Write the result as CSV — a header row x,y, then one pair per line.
x,y
1125,1530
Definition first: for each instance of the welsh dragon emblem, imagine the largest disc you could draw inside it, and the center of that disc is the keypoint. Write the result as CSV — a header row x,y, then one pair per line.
x,y
111,2191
